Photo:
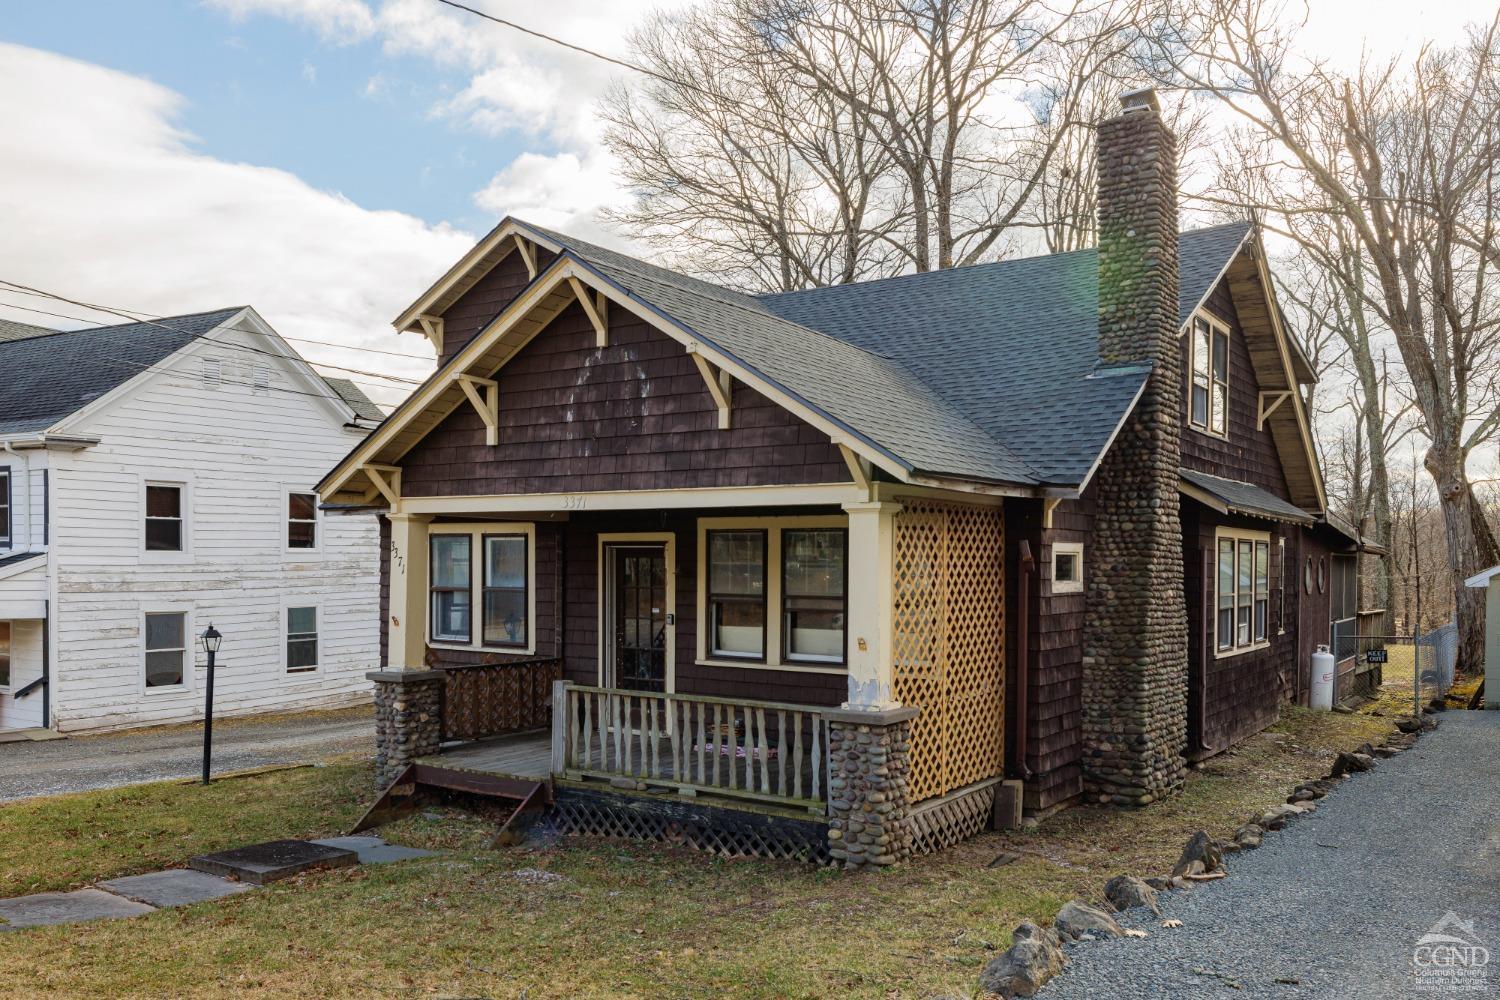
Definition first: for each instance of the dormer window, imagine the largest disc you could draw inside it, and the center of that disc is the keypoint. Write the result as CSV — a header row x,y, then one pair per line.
x,y
1208,377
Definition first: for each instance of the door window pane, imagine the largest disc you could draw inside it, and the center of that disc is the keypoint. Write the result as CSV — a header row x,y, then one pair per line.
x,y
164,518
737,593
302,521
166,649
451,584
505,598
813,594
301,639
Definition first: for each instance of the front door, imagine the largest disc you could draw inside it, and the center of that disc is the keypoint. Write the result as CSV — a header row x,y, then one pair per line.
x,y
640,617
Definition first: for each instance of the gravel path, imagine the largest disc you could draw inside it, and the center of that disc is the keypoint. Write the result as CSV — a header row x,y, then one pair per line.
x,y
1333,905
87,762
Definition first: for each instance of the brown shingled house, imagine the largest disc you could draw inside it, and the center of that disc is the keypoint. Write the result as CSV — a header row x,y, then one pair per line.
x,y
841,573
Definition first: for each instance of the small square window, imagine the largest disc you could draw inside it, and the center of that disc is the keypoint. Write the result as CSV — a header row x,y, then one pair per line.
x,y
302,521
1067,567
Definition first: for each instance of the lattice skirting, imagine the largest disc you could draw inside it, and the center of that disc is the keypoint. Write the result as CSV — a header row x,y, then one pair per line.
x,y
725,832
949,819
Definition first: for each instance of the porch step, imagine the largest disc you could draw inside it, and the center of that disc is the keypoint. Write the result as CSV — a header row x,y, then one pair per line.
x,y
33,735
530,797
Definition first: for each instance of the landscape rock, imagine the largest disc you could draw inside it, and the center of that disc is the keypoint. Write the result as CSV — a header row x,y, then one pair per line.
x,y
1276,817
1160,883
1126,892
1409,725
1249,836
1034,957
1078,920
1352,763
1198,857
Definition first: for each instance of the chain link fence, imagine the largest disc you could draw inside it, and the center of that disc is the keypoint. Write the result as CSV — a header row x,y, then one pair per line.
x,y
1365,662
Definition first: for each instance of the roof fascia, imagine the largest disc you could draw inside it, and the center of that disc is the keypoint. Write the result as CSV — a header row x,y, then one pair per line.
x,y
465,266
1109,442
294,363
20,566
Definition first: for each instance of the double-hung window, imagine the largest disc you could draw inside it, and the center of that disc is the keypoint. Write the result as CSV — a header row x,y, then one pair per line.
x,y
506,602
1242,590
452,588
737,594
4,507
1208,377
164,517
814,583
302,520
166,649
301,640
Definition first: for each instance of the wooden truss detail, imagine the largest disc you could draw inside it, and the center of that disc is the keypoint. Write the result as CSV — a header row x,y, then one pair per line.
x,y
596,308
528,254
387,482
719,383
487,404
1269,400
432,329
859,467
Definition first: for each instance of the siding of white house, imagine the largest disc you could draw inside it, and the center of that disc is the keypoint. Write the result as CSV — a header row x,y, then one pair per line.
x,y
237,450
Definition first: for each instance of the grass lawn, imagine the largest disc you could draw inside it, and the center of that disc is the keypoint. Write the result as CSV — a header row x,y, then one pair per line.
x,y
582,918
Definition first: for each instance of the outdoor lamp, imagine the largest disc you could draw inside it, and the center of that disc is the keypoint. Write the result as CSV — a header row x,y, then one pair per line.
x,y
211,639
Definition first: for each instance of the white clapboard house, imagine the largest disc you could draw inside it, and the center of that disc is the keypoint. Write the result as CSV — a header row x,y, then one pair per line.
x,y
158,477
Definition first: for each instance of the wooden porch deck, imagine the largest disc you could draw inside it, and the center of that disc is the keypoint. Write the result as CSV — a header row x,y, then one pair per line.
x,y
519,755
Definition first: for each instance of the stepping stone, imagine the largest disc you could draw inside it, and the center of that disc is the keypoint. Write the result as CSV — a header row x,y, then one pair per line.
x,y
174,887
374,850
279,859
66,908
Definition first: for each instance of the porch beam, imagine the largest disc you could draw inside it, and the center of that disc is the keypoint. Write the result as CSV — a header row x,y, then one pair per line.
x,y
719,384
819,494
871,597
601,329
1269,400
528,254
407,646
487,405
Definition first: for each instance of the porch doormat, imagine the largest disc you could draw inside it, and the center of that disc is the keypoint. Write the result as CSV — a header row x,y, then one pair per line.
x,y
270,862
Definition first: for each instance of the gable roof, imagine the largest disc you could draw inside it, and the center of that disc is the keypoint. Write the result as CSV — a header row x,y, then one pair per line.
x,y
51,376
362,405
11,330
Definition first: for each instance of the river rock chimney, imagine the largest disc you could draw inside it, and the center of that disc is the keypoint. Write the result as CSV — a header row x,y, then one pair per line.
x,y
1135,663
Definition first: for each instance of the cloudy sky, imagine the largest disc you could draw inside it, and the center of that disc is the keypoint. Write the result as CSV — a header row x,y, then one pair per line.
x,y
324,160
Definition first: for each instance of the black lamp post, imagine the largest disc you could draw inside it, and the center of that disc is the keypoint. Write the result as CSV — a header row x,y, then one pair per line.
x,y
210,639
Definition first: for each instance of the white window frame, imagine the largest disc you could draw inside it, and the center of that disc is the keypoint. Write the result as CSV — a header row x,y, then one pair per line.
x,y
1281,592
1217,328
476,532
7,502
185,487
1238,535
10,655
284,627
774,658
1075,549
189,653
286,522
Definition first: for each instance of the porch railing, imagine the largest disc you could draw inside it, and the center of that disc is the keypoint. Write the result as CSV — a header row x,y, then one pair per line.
x,y
764,751
481,700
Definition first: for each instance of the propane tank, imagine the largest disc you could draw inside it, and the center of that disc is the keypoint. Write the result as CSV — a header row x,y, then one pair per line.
x,y
1321,695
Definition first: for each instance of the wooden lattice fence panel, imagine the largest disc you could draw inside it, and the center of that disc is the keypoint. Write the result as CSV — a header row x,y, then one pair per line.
x,y
948,648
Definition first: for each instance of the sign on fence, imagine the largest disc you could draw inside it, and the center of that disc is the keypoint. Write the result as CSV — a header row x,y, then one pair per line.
x,y
1376,656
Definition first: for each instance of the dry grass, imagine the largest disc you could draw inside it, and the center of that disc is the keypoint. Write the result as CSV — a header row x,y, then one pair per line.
x,y
627,920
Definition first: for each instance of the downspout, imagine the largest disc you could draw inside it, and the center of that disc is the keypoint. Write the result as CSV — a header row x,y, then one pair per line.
x,y
1023,654
47,664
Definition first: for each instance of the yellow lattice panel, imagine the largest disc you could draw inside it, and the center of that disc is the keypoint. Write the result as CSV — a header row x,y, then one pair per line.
x,y
948,650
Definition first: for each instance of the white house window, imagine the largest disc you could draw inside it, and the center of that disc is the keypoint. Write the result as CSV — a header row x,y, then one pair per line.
x,y
1208,377
166,649
451,585
1242,590
737,593
4,654
506,601
163,518
1067,567
4,506
301,640
302,521
814,587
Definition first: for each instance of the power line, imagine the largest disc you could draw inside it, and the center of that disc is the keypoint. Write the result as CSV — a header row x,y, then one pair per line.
x,y
137,318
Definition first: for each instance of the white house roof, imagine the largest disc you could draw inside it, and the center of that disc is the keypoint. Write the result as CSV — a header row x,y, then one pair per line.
x,y
1483,579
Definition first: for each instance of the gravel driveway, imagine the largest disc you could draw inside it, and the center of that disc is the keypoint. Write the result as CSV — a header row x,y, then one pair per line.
x,y
86,762
1333,905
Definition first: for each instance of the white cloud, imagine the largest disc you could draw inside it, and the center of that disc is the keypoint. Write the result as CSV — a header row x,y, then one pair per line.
x,y
337,20
562,192
119,209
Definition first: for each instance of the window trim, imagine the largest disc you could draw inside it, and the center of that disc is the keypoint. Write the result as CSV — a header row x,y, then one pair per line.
x,y
285,628
526,589
189,653
1255,538
7,501
774,659
10,655
475,530
706,626
628,539
804,659
184,485
287,520
1075,549
1217,327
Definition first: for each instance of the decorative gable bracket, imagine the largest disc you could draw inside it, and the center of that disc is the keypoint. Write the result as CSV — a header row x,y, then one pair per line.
x,y
528,254
718,381
1269,400
432,329
487,404
597,307
386,480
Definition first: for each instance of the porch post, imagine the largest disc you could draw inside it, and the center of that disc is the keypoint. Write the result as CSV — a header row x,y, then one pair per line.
x,y
871,595
408,696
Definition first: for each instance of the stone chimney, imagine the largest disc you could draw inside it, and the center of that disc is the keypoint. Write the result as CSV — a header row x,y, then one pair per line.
x,y
1135,667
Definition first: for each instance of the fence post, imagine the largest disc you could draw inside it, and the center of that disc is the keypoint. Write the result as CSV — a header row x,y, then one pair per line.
x,y
559,726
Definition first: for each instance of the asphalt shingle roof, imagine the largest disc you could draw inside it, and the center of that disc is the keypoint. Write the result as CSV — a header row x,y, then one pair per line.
x,y
362,405
50,376
986,372
11,330
1246,498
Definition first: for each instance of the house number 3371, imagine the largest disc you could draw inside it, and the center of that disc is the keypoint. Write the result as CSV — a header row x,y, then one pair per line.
x,y
573,501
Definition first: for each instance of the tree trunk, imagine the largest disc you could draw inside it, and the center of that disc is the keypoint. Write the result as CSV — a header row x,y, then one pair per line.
x,y
1471,546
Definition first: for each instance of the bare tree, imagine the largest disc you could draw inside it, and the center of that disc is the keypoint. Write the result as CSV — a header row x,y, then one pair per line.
x,y
1406,155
